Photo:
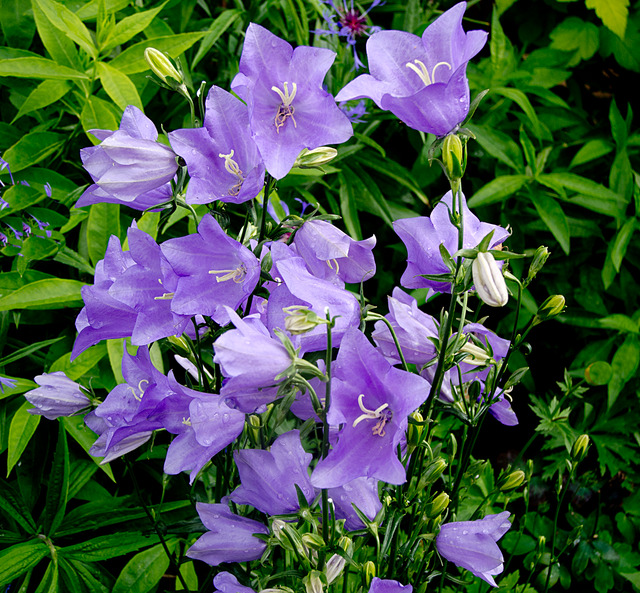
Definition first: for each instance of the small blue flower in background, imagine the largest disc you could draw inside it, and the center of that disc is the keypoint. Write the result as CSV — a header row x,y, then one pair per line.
x,y
346,21
6,382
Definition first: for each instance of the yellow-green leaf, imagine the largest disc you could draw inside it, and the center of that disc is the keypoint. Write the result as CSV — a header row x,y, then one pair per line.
x,y
613,13
118,86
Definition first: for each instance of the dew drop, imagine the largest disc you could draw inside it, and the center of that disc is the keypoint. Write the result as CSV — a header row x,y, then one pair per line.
x,y
465,532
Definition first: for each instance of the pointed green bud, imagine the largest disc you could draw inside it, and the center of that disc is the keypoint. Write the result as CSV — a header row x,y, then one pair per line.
x,y
553,306
580,448
540,257
369,569
434,470
254,426
315,158
452,157
313,582
161,66
300,320
414,431
313,540
512,481
437,506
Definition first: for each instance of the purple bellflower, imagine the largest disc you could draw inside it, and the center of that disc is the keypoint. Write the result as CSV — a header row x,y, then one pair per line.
x,y
213,270
472,545
57,396
230,538
329,253
288,108
129,166
423,236
222,159
422,81
372,400
348,22
362,492
268,478
388,586
413,329
225,582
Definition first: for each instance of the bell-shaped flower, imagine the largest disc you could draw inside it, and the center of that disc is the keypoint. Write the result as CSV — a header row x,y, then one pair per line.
x,y
288,108
329,253
129,166
56,396
413,329
423,236
222,159
230,537
472,545
213,271
361,492
388,586
372,400
269,478
225,582
423,81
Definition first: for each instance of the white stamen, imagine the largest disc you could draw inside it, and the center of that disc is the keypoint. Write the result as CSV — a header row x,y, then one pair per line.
x,y
382,414
423,73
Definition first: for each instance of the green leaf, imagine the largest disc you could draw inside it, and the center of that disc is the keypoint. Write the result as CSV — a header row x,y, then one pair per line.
x,y
118,86
68,257
626,51
20,197
624,364
32,148
23,425
348,208
108,546
618,125
17,24
499,145
58,487
70,577
93,577
38,68
498,190
598,373
46,93
69,24
594,149
143,572
503,58
49,582
98,114
553,216
83,363
115,348
89,11
518,97
85,437
621,242
12,503
129,27
103,221
412,16
215,31
18,559
368,196
620,322
60,47
50,293
612,13
577,36
26,351
131,60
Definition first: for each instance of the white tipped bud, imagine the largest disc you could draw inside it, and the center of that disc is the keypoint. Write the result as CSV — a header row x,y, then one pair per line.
x,y
161,66
489,281
316,157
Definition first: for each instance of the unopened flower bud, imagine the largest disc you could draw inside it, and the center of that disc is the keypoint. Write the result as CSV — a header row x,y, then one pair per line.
x,y
313,540
512,481
539,259
580,447
369,571
452,156
553,306
313,582
346,543
414,431
300,320
316,157
437,505
432,472
254,427
162,67
477,356
334,567
489,281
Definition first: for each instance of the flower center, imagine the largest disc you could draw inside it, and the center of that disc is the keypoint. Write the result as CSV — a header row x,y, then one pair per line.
x,y
138,396
382,414
237,274
233,168
421,70
335,263
285,110
354,22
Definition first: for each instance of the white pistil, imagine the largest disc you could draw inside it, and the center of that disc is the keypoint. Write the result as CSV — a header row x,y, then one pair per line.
x,y
186,421
285,109
421,70
140,389
237,274
335,261
232,167
382,414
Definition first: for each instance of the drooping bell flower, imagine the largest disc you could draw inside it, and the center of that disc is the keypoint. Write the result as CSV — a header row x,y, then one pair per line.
x,y
269,478
388,586
423,236
225,582
222,159
423,81
213,271
329,253
56,396
363,492
372,400
472,545
129,166
230,537
288,108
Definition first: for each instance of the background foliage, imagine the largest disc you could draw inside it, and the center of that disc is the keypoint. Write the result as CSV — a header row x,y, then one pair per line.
x,y
555,156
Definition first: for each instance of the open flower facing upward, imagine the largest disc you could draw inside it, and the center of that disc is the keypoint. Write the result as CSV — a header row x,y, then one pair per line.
x,y
422,81
472,544
288,108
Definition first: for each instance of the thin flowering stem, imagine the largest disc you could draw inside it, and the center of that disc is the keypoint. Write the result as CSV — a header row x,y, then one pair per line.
x,y
377,317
